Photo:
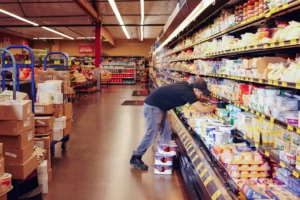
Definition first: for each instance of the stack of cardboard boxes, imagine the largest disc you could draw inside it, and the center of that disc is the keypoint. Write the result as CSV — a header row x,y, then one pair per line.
x,y
16,134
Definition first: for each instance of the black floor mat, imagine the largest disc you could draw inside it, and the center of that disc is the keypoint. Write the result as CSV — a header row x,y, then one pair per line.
x,y
140,93
133,103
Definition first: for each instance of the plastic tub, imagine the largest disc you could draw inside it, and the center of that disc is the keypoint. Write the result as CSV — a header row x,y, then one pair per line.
x,y
163,169
5,183
163,159
167,148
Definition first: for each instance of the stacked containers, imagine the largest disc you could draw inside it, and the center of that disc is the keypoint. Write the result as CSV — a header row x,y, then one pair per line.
x,y
166,150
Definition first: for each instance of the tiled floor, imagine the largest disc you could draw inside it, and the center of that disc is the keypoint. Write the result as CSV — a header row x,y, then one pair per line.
x,y
96,163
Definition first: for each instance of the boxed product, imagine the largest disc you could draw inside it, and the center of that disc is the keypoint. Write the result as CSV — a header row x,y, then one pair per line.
x,y
43,183
280,192
167,148
41,154
58,134
15,127
58,110
68,110
15,109
64,75
42,170
57,98
17,142
43,130
19,95
44,98
68,128
18,156
42,142
43,76
21,171
163,159
163,169
53,86
44,121
253,191
60,123
43,109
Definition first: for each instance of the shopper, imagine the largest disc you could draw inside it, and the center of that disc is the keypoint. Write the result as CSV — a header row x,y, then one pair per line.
x,y
155,111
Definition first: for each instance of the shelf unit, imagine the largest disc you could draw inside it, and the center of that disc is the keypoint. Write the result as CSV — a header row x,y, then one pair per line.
x,y
162,67
121,72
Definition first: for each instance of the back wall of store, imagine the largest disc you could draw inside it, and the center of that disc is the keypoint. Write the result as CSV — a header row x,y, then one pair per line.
x,y
122,48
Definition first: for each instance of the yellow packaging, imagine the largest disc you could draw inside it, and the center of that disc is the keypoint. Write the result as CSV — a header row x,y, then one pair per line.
x,y
256,136
264,137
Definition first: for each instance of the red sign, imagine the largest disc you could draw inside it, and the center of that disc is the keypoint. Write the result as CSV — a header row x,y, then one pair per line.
x,y
86,49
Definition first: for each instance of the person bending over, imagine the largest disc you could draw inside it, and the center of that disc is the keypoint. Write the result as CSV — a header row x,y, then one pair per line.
x,y
155,111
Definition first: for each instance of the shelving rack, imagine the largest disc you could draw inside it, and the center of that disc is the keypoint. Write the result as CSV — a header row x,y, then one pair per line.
x,y
192,152
121,72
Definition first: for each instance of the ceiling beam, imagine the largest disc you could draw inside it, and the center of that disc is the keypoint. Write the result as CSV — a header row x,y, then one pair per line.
x,y
74,25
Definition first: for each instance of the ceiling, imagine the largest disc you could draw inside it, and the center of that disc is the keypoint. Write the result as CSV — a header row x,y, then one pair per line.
x,y
68,17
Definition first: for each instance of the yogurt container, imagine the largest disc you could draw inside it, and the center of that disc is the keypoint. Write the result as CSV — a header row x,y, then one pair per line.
x,y
167,148
163,169
163,159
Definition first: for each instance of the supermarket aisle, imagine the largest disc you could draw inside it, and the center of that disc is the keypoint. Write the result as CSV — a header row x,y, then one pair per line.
x,y
96,164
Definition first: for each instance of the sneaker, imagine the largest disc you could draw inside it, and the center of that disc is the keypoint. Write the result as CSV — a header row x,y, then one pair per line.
x,y
136,161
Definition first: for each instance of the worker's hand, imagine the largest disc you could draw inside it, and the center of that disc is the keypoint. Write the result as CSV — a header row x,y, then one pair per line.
x,y
213,107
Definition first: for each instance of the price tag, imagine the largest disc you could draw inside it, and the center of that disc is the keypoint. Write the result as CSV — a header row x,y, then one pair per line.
x,y
284,84
245,137
252,111
295,173
275,82
192,152
272,119
27,62
257,113
199,166
195,158
297,85
255,17
256,145
267,153
272,45
290,127
243,22
77,63
246,79
298,130
285,6
251,79
281,44
294,41
260,81
270,82
255,46
263,116
203,173
282,164
266,46
5,62
216,195
56,62
206,182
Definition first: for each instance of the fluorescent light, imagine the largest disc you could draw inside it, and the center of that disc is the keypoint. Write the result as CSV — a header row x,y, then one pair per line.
x,y
195,13
117,13
51,38
18,17
83,38
59,33
142,19
35,38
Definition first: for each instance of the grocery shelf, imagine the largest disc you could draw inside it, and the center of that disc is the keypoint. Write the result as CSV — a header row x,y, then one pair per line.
x,y
122,77
171,77
245,24
199,169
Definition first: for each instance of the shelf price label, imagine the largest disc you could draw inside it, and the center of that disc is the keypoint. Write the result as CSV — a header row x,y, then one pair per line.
x,y
195,158
263,116
295,173
203,173
281,44
270,82
272,119
208,179
260,81
284,84
275,82
256,145
252,111
285,6
27,62
267,153
297,85
266,46
290,127
245,137
298,130
257,113
251,79
193,151
272,45
282,164
216,195
255,46
293,42
56,62
199,166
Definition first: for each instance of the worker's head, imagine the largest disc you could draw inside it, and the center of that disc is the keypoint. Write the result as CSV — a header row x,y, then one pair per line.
x,y
200,88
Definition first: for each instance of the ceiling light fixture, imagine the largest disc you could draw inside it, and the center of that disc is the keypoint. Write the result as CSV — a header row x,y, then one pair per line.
x,y
194,14
85,38
59,33
18,17
50,38
117,13
142,19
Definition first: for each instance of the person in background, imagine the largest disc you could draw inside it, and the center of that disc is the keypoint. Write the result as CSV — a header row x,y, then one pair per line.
x,y
155,111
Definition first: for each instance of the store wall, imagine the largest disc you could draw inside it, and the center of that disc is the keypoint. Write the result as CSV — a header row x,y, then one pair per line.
x,y
123,47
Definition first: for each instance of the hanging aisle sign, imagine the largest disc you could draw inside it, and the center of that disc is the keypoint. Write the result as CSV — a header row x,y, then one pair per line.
x,y
86,49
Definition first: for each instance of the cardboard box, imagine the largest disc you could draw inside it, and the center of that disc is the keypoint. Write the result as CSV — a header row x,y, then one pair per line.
x,y
15,109
1,166
58,134
60,123
42,142
18,156
44,121
64,75
41,154
68,128
58,110
13,128
43,76
17,142
68,110
1,150
50,175
19,95
262,63
21,171
43,109
43,130
49,161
